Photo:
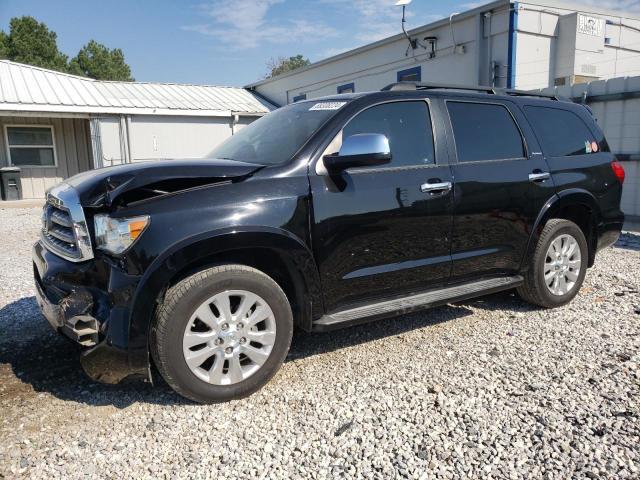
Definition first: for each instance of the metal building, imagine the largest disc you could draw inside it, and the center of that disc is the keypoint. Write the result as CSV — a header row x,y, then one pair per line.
x,y
54,125
523,45
586,53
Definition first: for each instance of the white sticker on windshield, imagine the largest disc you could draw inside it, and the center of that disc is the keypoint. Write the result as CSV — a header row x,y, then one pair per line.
x,y
327,106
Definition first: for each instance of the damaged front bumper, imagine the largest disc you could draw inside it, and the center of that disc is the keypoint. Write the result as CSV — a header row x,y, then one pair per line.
x,y
88,303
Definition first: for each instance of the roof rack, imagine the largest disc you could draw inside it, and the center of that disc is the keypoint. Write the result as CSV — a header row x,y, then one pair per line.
x,y
473,88
524,93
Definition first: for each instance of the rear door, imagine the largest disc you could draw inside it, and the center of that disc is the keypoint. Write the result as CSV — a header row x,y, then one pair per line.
x,y
575,149
385,231
501,183
579,158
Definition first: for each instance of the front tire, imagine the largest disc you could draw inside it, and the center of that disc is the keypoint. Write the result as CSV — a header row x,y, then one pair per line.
x,y
222,333
558,266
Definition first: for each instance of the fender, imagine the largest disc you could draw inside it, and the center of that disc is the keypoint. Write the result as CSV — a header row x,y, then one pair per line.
x,y
564,198
194,250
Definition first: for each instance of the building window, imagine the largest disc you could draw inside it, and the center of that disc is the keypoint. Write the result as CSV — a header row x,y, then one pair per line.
x,y
302,96
607,40
31,146
410,75
348,88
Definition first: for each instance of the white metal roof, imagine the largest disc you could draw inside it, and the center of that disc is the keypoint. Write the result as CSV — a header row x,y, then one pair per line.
x,y
24,88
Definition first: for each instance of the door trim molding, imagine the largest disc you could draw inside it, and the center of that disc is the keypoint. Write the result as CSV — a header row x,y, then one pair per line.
x,y
394,267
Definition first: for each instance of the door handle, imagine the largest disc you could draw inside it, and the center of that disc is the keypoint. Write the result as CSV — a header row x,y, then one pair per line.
x,y
433,188
539,176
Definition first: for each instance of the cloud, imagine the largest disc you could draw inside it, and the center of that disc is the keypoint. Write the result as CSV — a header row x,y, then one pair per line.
x,y
471,5
630,6
244,24
372,20
376,30
240,14
376,19
377,8
331,52
247,24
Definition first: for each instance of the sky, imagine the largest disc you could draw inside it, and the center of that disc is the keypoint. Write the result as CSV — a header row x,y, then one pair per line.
x,y
229,42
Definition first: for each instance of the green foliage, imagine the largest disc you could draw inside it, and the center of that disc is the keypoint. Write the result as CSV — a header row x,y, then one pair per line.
x,y
280,65
97,61
4,45
33,43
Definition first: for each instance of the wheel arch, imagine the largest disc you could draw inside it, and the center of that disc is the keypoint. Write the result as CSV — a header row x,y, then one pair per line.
x,y
576,205
276,252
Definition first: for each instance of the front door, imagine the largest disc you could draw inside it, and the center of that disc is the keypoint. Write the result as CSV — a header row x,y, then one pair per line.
x,y
501,183
385,231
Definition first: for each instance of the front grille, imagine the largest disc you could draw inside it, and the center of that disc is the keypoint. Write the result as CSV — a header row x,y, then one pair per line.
x,y
58,231
64,229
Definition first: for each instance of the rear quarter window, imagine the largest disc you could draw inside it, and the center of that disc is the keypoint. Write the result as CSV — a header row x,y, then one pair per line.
x,y
562,133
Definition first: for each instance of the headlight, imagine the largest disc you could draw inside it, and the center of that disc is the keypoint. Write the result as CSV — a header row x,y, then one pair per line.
x,y
115,235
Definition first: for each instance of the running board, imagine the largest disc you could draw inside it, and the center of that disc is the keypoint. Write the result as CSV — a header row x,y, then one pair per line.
x,y
412,303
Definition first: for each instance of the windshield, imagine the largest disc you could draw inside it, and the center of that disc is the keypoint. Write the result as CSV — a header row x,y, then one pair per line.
x,y
277,136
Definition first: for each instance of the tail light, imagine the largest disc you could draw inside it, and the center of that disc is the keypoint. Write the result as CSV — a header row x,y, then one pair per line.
x,y
618,171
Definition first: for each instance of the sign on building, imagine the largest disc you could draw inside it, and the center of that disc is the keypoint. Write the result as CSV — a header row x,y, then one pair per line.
x,y
590,25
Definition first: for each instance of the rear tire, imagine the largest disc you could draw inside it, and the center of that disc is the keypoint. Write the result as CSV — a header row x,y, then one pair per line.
x,y
558,266
222,333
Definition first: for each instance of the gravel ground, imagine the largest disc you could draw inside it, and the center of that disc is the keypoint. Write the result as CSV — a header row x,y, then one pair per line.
x,y
491,388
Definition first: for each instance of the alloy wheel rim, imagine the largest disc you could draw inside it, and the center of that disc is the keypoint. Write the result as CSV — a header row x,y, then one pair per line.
x,y
229,337
562,264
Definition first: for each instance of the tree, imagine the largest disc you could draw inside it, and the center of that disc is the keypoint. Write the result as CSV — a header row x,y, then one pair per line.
x,y
33,43
94,60
4,45
280,65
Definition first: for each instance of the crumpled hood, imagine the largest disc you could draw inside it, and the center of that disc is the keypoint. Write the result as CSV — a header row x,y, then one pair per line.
x,y
102,186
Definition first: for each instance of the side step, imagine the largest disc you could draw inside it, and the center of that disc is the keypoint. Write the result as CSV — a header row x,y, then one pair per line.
x,y
412,303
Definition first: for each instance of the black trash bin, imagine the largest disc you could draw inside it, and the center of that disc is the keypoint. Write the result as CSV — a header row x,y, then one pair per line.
x,y
10,181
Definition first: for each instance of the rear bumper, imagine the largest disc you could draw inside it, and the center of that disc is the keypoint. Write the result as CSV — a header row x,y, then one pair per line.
x,y
80,302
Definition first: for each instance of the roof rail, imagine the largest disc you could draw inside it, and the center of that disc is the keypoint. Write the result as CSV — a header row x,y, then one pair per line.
x,y
473,88
430,86
525,93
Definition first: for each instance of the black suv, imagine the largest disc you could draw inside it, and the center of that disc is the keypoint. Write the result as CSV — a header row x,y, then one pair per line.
x,y
324,214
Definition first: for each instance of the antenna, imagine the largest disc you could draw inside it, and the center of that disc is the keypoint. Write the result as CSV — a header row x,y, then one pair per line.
x,y
413,43
403,4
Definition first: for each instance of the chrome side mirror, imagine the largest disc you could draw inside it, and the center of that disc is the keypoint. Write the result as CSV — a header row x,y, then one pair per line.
x,y
361,150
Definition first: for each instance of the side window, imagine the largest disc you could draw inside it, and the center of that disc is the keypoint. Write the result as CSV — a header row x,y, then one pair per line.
x,y
484,131
407,126
562,133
